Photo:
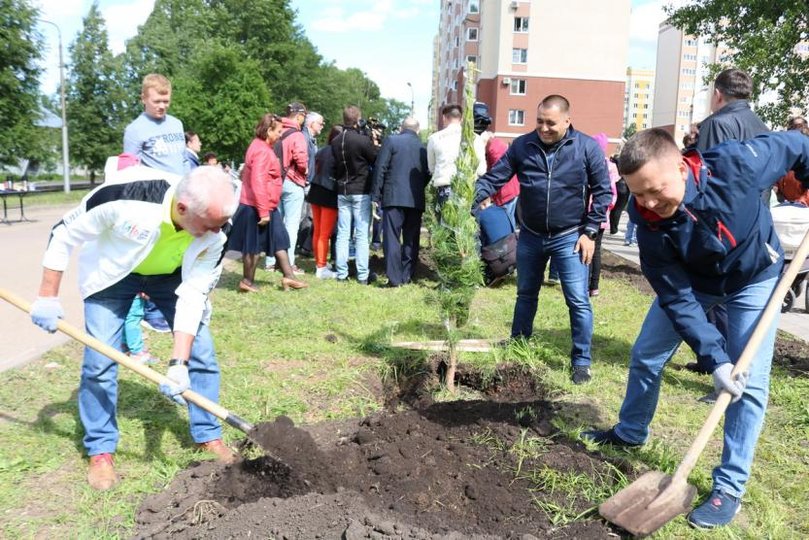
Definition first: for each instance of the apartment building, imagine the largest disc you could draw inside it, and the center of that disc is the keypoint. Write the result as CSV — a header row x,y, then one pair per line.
x,y
525,50
681,94
639,98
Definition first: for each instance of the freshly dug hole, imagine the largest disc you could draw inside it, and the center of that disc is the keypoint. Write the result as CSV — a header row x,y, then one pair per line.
x,y
445,471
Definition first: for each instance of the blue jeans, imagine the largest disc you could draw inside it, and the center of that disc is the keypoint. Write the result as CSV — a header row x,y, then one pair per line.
x,y
104,316
291,207
533,252
631,235
656,344
358,208
133,334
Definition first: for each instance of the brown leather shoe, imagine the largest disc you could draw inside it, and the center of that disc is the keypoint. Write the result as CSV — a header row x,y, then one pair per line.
x,y
246,286
101,475
289,283
222,452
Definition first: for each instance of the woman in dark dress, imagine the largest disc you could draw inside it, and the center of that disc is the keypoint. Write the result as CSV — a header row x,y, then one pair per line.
x,y
257,224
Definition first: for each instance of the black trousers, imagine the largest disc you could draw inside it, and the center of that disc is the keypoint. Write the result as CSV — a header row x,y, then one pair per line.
x,y
620,204
400,242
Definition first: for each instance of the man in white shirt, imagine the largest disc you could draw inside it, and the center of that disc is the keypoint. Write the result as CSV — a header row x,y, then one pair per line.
x,y
443,148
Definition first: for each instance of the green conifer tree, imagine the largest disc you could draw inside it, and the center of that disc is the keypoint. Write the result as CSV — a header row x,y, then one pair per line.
x,y
454,235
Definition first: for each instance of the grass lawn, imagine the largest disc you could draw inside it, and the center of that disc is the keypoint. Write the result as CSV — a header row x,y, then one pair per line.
x,y
323,353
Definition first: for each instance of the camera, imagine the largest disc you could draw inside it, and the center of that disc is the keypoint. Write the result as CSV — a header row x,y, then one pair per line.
x,y
372,128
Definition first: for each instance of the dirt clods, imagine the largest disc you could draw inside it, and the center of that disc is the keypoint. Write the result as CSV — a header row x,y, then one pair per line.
x,y
465,469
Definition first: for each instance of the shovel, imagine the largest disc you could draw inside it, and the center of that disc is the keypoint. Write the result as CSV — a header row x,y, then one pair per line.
x,y
142,370
655,498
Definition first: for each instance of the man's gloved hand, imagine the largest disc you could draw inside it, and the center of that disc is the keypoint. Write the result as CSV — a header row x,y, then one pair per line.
x,y
178,374
46,312
734,385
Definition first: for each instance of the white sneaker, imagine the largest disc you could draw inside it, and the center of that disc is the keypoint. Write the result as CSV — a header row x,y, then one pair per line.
x,y
325,273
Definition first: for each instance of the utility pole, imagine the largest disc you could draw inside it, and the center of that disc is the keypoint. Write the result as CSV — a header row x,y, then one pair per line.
x,y
412,100
65,152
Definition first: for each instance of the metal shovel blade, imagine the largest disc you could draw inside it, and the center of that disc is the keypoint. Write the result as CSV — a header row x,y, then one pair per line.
x,y
630,508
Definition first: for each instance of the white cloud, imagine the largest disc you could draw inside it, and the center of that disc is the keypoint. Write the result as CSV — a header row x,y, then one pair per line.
x,y
357,16
123,21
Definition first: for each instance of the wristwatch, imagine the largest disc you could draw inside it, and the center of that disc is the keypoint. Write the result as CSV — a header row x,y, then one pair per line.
x,y
177,361
591,234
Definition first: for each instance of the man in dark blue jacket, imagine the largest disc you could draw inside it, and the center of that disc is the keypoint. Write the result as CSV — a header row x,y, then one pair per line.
x,y
560,170
705,239
400,178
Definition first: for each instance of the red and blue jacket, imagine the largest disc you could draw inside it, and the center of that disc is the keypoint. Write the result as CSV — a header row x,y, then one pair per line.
x,y
722,237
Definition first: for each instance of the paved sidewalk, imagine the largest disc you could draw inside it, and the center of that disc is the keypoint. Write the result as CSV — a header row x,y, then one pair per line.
x,y
23,246
796,322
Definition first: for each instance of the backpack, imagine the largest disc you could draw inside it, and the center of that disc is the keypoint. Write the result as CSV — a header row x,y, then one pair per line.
x,y
500,259
278,147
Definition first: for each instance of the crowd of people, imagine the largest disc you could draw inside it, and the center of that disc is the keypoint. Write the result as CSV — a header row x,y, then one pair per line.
x,y
155,232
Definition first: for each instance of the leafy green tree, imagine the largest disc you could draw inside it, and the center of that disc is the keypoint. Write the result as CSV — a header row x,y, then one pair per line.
x,y
455,241
630,130
96,97
19,85
221,96
765,39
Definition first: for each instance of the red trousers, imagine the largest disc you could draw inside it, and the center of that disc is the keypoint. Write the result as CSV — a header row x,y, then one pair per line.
x,y
323,220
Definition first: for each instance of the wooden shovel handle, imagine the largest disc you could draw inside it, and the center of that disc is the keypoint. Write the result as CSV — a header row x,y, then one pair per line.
x,y
142,370
723,400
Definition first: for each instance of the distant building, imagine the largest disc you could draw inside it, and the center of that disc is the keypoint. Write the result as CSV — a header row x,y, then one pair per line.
x,y
681,95
639,98
525,50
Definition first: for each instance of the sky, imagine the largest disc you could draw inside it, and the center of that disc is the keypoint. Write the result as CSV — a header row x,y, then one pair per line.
x,y
390,40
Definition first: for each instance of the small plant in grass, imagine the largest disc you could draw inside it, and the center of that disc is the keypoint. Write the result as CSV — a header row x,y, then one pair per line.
x,y
455,239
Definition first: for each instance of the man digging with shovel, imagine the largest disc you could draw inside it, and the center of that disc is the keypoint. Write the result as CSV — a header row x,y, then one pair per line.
x,y
160,238
705,239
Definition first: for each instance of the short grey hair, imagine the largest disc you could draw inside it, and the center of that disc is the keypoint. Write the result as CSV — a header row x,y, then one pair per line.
x,y
410,123
203,186
312,117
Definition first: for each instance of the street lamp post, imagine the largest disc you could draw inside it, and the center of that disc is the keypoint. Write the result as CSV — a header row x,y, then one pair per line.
x,y
412,100
65,152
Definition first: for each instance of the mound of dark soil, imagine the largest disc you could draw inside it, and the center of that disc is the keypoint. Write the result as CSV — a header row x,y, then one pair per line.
x,y
445,471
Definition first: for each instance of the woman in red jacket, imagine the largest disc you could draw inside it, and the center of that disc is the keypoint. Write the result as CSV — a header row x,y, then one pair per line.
x,y
257,225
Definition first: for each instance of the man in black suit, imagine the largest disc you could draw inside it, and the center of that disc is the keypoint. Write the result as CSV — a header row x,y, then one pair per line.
x,y
400,178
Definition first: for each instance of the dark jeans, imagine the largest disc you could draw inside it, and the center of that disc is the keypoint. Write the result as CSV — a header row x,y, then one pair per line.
x,y
620,204
401,256
595,265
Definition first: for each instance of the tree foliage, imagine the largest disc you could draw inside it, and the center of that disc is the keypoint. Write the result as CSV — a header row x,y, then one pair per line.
x,y
764,39
219,52
96,97
19,94
221,97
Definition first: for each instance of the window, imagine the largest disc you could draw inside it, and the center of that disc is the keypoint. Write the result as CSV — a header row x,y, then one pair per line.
x,y
689,71
690,57
472,34
472,58
690,42
645,115
457,41
517,87
520,24
634,105
474,6
516,117
519,56
645,105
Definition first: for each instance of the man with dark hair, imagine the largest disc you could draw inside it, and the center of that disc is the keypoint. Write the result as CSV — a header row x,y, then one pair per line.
x,y
443,148
295,170
192,147
156,237
354,156
560,170
797,122
706,238
400,177
732,119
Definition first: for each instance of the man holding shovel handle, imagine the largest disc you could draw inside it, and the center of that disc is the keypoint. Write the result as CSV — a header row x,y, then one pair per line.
x,y
706,238
158,237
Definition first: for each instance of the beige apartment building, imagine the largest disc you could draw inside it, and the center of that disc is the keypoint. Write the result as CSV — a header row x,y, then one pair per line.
x,y
681,95
639,98
525,50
